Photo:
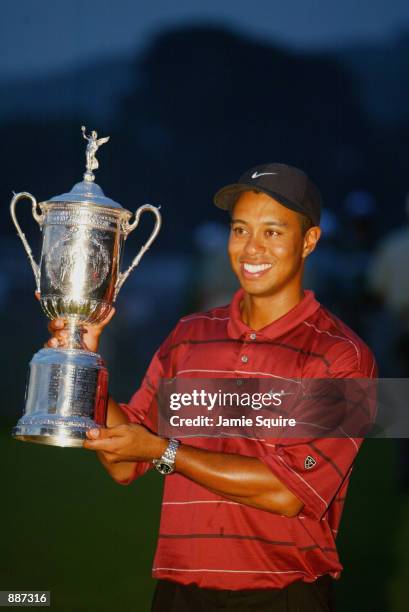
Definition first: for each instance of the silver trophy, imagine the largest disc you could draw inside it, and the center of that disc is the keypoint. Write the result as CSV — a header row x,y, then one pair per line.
x,y
78,279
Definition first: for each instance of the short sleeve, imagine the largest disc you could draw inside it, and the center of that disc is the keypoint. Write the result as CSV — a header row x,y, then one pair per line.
x,y
314,469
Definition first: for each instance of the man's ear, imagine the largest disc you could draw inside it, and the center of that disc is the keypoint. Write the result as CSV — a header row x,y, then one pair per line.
x,y
311,238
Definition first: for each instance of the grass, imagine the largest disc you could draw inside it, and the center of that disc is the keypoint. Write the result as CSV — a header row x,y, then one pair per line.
x,y
67,528
371,527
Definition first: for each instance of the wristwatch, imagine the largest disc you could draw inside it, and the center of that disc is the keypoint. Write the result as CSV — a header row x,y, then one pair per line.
x,y
166,464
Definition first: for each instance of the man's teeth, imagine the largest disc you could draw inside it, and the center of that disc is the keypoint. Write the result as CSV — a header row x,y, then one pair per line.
x,y
253,268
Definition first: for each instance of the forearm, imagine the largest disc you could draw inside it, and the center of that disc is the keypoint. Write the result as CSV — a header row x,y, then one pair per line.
x,y
121,472
243,479
115,416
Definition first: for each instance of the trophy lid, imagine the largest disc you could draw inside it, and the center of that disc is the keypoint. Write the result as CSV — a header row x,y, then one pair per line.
x,y
87,191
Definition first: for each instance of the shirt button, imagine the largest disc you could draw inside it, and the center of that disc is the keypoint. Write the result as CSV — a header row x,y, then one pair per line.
x,y
253,336
244,358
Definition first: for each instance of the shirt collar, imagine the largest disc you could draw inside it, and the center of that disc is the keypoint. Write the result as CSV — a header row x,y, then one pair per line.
x,y
236,328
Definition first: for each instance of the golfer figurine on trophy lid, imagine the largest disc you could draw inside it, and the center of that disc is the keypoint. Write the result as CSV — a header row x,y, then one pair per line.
x,y
78,279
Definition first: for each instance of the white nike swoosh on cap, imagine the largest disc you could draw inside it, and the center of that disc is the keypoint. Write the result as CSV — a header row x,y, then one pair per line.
x,y
257,174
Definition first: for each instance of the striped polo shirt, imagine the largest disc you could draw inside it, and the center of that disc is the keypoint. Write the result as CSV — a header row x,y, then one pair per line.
x,y
216,543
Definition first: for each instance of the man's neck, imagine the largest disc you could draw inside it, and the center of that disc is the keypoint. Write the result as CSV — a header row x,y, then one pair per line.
x,y
259,311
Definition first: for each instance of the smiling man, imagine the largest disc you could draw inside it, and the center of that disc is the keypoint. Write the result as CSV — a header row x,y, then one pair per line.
x,y
246,524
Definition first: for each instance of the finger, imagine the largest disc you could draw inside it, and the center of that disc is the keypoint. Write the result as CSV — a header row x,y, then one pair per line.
x,y
58,339
56,324
104,433
109,445
61,335
110,316
93,434
107,319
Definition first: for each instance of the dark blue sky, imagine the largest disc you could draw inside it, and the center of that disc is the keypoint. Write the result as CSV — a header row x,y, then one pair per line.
x,y
41,36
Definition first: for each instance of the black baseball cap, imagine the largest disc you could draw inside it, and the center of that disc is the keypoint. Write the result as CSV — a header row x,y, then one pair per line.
x,y
290,186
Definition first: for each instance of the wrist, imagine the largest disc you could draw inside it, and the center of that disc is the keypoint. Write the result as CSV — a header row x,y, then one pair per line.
x,y
160,447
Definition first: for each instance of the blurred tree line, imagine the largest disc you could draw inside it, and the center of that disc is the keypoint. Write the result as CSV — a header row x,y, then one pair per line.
x,y
205,104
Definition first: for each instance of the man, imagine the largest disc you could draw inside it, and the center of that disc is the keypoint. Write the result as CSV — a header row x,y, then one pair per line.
x,y
246,523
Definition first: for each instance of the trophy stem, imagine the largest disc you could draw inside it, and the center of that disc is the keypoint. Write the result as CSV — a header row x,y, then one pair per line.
x,y
75,334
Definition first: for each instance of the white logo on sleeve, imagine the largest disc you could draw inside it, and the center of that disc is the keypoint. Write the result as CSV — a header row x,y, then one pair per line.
x,y
257,174
309,462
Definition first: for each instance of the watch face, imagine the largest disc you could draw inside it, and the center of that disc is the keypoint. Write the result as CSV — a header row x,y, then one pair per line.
x,y
164,468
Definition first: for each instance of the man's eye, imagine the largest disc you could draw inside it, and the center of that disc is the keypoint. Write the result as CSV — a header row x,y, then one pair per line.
x,y
272,233
238,231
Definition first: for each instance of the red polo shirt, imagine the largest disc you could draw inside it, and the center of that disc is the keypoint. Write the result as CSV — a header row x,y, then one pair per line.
x,y
217,543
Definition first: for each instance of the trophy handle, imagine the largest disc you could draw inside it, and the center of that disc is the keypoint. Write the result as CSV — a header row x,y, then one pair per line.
x,y
39,218
127,229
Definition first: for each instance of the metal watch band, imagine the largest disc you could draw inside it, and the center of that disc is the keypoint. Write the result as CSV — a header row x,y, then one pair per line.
x,y
170,453
166,464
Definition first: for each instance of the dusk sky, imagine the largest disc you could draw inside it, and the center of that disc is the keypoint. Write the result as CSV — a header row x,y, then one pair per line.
x,y
43,36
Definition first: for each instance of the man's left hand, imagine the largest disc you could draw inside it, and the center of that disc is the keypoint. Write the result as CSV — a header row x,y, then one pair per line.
x,y
127,442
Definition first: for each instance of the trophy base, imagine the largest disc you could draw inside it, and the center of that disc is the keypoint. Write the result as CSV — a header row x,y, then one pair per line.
x,y
51,440
53,436
66,396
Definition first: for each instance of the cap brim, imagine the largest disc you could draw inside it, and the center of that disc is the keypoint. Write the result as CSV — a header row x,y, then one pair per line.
x,y
227,196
